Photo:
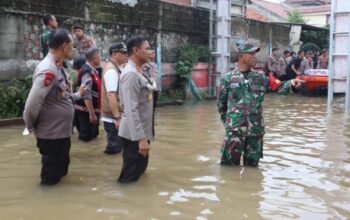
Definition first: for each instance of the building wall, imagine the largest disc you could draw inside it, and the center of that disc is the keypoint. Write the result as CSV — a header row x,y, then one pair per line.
x,y
264,35
318,20
116,20
238,7
106,21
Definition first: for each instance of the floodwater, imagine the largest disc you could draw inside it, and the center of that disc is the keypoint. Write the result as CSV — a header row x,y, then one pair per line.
x,y
305,172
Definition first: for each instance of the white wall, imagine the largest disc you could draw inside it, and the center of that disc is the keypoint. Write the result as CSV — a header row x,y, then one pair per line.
x,y
319,20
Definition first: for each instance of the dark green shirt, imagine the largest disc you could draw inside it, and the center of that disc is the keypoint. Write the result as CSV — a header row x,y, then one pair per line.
x,y
44,40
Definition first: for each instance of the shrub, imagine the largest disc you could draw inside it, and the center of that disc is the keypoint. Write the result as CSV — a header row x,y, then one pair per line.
x,y
187,56
172,95
13,97
310,47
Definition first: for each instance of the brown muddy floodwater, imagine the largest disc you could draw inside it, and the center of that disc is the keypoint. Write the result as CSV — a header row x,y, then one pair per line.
x,y
305,173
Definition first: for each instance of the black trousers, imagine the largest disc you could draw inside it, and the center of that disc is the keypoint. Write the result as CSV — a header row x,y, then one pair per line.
x,y
75,120
155,98
134,164
55,159
114,142
87,131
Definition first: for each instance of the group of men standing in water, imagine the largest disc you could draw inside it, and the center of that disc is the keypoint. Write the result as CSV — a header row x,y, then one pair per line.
x,y
122,93
122,96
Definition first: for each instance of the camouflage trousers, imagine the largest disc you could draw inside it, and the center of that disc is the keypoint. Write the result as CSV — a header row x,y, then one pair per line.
x,y
235,145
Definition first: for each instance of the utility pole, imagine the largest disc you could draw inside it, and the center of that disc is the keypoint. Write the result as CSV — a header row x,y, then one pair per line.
x,y
339,53
159,48
211,92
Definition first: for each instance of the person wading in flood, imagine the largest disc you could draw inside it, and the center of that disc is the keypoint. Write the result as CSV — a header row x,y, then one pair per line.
x,y
239,103
49,110
136,95
89,108
110,97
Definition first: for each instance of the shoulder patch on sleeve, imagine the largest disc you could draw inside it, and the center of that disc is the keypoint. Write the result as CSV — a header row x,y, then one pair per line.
x,y
49,77
90,41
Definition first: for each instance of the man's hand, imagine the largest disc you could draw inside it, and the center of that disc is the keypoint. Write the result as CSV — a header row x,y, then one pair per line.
x,y
297,83
83,89
117,123
93,118
144,147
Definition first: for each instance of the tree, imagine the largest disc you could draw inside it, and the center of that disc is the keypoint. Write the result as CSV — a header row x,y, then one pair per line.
x,y
319,38
296,17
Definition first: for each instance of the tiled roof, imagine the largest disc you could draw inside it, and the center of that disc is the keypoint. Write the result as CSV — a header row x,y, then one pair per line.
x,y
315,9
276,8
252,14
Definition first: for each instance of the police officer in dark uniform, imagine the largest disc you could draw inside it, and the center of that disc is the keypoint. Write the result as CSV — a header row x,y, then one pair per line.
x,y
89,108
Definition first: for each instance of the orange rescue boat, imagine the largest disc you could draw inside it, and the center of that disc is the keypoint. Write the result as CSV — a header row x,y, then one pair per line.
x,y
316,81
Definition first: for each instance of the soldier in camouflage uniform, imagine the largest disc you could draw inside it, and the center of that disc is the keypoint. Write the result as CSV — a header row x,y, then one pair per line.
x,y
51,25
240,98
82,43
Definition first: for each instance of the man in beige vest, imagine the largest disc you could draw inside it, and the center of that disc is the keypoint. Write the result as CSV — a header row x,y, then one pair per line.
x,y
110,97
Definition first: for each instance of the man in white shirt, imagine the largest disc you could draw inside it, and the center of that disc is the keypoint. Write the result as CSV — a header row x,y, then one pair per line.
x,y
110,97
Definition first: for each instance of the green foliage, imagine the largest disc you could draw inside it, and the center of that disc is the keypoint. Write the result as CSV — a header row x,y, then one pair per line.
x,y
310,47
319,38
183,69
296,17
172,95
187,56
204,94
13,97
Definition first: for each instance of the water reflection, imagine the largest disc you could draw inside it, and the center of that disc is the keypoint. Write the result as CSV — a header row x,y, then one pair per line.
x,y
305,172
296,181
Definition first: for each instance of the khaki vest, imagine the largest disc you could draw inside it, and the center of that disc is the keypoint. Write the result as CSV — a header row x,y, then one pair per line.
x,y
106,111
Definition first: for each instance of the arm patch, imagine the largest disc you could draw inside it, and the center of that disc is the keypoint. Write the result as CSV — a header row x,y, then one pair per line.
x,y
49,77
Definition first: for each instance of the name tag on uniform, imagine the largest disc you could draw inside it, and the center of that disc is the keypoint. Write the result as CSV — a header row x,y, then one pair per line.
x,y
234,85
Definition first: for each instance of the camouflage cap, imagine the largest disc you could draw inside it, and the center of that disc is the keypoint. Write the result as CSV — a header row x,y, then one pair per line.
x,y
247,48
